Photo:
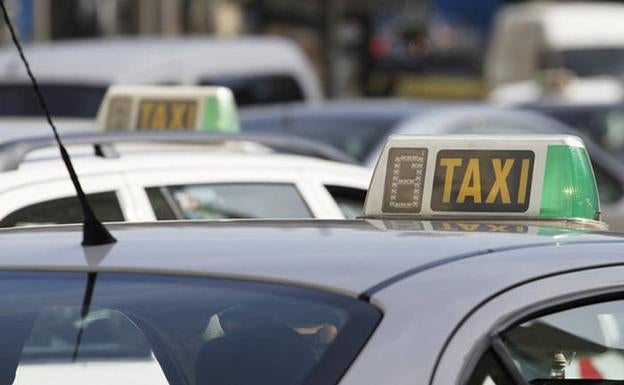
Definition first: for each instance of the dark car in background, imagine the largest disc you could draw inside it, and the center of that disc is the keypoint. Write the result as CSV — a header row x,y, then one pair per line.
x,y
360,127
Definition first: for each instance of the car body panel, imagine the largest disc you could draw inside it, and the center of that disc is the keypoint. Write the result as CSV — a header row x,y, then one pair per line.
x,y
315,253
451,292
44,177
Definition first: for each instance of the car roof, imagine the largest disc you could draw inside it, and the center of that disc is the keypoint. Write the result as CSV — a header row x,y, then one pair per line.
x,y
141,60
394,109
440,120
47,163
14,127
343,256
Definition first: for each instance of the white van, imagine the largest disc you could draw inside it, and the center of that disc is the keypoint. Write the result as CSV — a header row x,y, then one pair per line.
x,y
74,75
557,51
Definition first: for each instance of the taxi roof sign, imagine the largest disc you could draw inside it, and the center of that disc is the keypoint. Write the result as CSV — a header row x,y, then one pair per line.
x,y
154,108
502,177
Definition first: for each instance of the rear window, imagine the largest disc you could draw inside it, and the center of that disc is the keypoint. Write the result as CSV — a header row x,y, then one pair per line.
x,y
65,210
106,328
355,137
75,101
259,89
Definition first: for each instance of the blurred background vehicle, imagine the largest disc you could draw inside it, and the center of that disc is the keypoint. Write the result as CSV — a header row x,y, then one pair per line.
x,y
557,51
602,122
75,75
145,178
360,128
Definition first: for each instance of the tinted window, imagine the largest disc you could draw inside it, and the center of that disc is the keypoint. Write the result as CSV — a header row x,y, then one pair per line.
x,y
259,89
63,100
65,210
350,200
234,200
154,329
593,61
586,342
356,137
609,187
604,126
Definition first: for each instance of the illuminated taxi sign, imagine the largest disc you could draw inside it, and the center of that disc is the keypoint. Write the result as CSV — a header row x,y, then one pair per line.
x,y
153,108
535,177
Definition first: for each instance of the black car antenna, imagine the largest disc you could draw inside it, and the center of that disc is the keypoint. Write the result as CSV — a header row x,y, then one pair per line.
x,y
93,231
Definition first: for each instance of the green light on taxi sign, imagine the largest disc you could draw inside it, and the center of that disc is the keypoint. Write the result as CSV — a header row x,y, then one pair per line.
x,y
154,108
484,177
569,186
220,116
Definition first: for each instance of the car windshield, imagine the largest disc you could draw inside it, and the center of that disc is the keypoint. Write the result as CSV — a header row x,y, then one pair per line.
x,y
595,61
105,328
75,101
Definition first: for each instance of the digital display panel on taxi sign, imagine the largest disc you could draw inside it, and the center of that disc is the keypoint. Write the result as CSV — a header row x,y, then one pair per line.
x,y
405,177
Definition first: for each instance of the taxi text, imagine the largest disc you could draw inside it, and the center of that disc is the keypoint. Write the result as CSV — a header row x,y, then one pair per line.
x,y
482,180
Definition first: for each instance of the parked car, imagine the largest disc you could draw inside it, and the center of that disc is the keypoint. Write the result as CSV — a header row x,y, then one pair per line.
x,y
566,51
74,75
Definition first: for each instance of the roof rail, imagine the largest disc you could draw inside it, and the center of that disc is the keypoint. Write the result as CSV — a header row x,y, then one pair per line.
x,y
12,153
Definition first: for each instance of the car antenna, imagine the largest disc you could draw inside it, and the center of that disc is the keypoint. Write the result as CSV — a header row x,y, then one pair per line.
x,y
93,231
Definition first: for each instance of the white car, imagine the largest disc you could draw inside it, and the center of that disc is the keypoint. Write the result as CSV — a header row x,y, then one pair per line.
x,y
229,179
74,75
556,51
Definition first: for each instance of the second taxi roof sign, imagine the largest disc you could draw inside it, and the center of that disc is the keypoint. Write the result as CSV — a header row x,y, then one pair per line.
x,y
155,108
528,177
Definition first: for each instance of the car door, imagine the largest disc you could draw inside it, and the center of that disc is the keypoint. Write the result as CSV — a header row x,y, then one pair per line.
x,y
562,326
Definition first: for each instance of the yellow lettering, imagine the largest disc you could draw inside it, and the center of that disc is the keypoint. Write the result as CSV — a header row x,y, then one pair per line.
x,y
159,120
519,229
146,109
450,164
191,116
501,172
498,228
469,227
471,185
524,177
177,115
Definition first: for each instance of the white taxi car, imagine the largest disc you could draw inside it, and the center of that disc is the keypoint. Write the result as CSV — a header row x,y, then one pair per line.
x,y
479,261
146,166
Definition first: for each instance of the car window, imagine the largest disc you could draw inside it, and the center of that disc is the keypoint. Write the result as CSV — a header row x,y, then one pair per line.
x,y
489,372
107,328
586,342
609,188
228,200
356,137
259,89
66,210
75,101
350,200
